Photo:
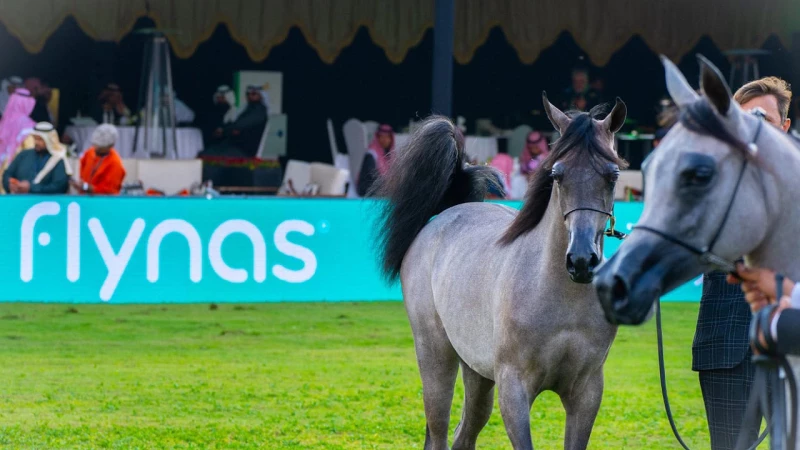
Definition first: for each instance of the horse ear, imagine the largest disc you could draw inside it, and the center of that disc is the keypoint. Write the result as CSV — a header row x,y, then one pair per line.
x,y
714,86
677,86
559,120
616,118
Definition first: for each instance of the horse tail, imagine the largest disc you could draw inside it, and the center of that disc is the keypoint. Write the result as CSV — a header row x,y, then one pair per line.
x,y
425,177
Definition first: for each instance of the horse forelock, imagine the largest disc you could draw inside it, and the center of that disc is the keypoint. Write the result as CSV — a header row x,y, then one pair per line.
x,y
701,118
581,143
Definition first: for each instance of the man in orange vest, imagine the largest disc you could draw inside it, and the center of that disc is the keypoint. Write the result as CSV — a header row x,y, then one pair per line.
x,y
102,171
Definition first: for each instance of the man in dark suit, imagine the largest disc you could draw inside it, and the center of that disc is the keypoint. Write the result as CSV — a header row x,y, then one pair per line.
x,y
721,350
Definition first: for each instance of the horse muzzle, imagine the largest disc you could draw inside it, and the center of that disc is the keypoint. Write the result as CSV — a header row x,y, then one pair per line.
x,y
581,264
643,269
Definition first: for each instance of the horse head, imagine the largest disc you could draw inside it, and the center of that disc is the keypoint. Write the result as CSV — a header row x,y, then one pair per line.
x,y
578,176
704,184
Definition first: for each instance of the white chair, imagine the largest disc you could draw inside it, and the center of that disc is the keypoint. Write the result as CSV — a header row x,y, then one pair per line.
x,y
519,184
516,141
296,177
332,140
370,126
273,140
331,181
169,176
340,160
355,137
131,170
628,178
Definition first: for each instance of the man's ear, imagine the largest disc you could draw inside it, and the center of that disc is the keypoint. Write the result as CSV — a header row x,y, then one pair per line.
x,y
786,125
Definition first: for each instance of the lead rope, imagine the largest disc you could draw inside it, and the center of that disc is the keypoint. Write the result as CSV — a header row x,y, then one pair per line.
x,y
662,367
663,375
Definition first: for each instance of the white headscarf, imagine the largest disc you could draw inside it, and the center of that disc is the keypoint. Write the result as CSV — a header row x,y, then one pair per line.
x,y
230,99
58,152
264,99
4,95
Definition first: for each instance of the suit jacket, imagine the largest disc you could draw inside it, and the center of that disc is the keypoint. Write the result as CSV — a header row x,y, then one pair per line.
x,y
721,340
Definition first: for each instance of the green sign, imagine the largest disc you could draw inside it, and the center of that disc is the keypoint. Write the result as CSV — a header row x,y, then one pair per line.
x,y
156,250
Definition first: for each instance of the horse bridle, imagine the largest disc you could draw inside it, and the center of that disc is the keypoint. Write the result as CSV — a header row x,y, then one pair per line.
x,y
706,253
610,232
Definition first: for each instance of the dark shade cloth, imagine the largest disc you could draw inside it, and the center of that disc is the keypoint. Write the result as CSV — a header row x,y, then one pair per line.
x,y
40,112
722,339
725,394
27,164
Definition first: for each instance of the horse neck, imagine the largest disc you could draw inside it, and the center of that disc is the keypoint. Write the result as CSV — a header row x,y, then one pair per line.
x,y
551,237
780,250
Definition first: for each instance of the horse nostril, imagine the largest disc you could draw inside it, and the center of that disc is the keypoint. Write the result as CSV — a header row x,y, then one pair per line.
x,y
593,261
570,264
619,293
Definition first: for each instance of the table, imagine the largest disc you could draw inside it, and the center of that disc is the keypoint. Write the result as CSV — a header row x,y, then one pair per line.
x,y
478,148
190,141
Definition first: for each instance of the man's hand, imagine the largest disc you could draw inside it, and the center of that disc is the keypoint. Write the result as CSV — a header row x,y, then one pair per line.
x,y
23,187
79,187
759,287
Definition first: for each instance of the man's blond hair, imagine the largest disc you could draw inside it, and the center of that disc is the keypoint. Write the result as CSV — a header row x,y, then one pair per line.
x,y
774,86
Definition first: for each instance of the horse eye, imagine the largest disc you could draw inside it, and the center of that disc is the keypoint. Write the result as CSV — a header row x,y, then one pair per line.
x,y
613,176
698,176
557,173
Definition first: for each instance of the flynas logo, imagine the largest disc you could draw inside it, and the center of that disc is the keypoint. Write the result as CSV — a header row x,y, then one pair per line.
x,y
38,216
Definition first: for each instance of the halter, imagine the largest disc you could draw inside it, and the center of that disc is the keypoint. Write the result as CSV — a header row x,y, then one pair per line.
x,y
706,253
610,232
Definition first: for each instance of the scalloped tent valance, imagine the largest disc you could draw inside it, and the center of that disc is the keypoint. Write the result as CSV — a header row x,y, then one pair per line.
x,y
670,27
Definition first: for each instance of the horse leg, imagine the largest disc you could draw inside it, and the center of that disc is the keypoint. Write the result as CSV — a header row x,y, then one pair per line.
x,y
582,406
438,368
478,403
515,400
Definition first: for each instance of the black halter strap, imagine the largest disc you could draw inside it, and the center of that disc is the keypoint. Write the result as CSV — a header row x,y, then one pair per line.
x,y
588,209
707,253
611,231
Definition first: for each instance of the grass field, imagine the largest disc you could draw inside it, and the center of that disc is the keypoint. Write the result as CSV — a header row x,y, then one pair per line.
x,y
285,376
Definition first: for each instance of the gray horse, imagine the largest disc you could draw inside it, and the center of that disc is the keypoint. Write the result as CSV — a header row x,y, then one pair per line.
x,y
722,183
717,160
485,285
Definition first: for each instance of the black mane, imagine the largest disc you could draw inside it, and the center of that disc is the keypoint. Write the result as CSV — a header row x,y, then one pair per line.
x,y
579,140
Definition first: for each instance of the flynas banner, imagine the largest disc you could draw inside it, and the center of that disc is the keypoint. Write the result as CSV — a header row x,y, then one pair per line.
x,y
156,250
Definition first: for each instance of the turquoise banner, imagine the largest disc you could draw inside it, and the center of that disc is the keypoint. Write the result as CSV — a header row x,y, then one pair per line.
x,y
156,250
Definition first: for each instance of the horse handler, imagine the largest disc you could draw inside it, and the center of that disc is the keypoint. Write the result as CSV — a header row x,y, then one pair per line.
x,y
721,349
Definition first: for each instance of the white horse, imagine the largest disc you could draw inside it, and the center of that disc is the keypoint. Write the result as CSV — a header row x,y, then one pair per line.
x,y
722,183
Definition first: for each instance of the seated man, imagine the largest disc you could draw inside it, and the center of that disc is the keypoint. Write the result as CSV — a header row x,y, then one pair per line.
x,y
223,113
111,107
102,171
7,87
245,133
42,169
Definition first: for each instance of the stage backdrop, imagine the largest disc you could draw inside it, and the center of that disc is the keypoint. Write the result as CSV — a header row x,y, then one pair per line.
x,y
156,250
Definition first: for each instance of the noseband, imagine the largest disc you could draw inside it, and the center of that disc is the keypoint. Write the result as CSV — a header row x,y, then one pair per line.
x,y
706,253
610,232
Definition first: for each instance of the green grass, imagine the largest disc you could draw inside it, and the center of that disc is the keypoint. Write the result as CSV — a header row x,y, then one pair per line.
x,y
285,376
